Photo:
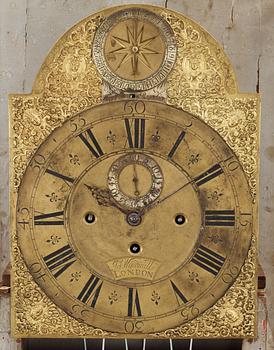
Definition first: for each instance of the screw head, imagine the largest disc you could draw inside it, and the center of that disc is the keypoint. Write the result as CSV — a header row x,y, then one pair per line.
x,y
134,219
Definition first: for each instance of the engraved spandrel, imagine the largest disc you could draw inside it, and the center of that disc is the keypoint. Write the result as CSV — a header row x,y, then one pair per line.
x,y
140,303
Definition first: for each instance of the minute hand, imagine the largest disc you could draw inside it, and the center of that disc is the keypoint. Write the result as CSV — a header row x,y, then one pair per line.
x,y
161,200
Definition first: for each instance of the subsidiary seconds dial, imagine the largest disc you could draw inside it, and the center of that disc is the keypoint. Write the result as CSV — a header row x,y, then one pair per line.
x,y
139,216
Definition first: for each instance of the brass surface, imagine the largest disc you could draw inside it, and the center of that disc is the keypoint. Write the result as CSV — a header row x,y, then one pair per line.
x,y
203,83
134,49
198,260
146,181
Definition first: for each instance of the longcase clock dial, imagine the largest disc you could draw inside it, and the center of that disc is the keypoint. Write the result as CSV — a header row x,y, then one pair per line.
x,y
139,216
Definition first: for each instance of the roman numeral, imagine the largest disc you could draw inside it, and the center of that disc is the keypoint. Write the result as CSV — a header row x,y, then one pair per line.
x,y
41,219
133,303
176,144
91,143
135,132
60,260
208,260
60,176
220,217
178,293
91,288
208,175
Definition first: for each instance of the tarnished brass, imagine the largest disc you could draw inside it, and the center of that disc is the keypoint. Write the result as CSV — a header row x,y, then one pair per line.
x,y
69,255
146,176
134,217
134,49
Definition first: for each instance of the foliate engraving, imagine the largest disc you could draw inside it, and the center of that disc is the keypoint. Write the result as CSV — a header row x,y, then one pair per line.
x,y
228,312
58,92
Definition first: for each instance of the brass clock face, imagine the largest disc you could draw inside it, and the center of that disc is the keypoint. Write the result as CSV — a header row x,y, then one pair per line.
x,y
134,49
139,216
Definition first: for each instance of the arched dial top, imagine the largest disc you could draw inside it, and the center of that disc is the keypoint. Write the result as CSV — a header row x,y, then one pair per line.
x,y
134,216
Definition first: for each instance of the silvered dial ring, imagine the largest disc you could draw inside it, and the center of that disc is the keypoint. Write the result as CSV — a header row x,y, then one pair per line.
x,y
152,177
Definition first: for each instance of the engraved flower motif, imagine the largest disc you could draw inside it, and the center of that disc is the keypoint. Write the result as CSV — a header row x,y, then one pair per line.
x,y
111,137
113,297
155,297
215,238
215,195
75,276
193,276
193,159
74,159
53,197
54,239
155,138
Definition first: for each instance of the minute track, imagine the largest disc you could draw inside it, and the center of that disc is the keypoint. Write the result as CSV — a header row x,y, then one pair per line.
x,y
108,280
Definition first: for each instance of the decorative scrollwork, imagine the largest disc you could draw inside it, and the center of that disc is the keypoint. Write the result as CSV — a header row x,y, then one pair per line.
x,y
203,83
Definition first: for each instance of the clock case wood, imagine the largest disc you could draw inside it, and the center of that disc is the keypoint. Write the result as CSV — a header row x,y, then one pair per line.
x,y
202,83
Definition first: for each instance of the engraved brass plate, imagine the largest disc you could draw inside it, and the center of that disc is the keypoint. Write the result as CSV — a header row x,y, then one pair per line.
x,y
174,254
134,49
199,241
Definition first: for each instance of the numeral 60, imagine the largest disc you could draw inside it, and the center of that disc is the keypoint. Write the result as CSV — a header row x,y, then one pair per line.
x,y
131,107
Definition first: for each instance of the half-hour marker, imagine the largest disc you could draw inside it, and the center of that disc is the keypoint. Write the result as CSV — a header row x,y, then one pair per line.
x,y
56,218
208,260
134,306
91,143
60,260
176,144
220,217
60,176
208,175
135,132
179,295
91,291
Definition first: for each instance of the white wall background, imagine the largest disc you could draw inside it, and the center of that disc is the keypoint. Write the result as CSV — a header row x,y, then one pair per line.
x,y
29,28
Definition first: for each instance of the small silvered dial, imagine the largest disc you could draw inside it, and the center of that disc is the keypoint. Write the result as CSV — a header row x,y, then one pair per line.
x,y
137,221
135,180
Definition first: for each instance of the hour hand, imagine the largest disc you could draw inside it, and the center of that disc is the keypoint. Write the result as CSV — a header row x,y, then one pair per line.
x,y
103,197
